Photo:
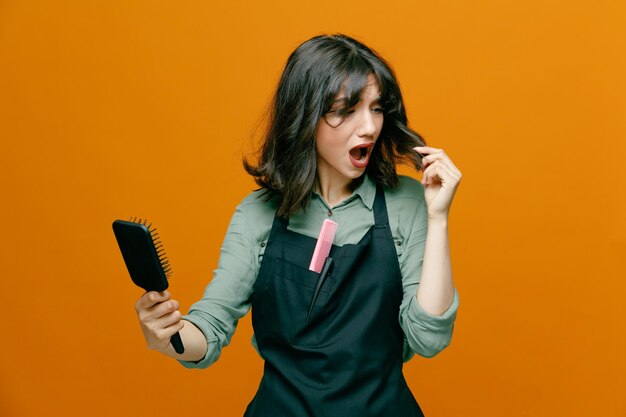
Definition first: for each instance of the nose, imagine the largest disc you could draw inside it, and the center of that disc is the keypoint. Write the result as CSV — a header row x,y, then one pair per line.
x,y
367,126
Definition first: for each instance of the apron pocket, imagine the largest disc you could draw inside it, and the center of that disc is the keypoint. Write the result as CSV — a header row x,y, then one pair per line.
x,y
288,293
292,272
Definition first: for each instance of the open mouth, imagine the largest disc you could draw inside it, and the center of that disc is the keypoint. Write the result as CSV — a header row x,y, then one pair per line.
x,y
359,155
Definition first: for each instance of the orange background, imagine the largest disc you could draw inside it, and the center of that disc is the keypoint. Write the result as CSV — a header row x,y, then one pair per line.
x,y
144,108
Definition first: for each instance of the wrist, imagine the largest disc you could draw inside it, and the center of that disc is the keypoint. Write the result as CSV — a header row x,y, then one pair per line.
x,y
441,222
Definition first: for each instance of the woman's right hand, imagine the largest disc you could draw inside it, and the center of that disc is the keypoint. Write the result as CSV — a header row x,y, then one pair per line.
x,y
159,318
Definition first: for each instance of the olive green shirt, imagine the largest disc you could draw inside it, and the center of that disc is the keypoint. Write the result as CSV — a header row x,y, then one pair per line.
x,y
227,297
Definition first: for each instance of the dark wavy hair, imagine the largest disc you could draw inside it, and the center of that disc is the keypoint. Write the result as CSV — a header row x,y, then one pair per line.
x,y
315,73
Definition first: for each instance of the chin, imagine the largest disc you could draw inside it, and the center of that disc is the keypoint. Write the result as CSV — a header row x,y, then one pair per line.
x,y
355,173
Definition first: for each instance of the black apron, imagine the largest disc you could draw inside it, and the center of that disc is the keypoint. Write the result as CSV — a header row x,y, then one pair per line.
x,y
347,361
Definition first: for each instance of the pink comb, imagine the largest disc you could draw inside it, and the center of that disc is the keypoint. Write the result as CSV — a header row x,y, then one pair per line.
x,y
323,245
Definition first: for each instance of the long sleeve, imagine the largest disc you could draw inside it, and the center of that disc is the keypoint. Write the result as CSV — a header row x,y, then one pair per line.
x,y
227,297
425,334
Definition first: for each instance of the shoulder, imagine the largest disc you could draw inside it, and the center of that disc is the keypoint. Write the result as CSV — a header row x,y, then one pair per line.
x,y
255,213
407,211
406,206
408,190
257,201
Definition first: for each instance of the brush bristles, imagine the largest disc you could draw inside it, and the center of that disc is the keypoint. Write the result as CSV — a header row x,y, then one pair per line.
x,y
160,250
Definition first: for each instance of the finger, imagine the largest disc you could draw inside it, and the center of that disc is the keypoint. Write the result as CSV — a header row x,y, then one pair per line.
x,y
427,150
147,315
448,179
167,320
430,155
151,298
176,327
418,149
450,170
169,331
430,173
437,172
162,335
437,156
156,325
445,160
162,309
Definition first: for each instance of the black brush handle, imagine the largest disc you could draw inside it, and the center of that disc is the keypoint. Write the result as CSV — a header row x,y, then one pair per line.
x,y
177,343
143,262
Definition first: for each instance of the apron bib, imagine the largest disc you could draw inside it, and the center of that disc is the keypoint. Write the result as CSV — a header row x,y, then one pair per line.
x,y
347,361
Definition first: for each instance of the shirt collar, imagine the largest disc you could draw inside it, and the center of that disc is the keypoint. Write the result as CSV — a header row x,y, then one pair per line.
x,y
367,191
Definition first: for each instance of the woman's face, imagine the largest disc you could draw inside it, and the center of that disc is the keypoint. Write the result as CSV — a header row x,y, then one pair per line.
x,y
344,151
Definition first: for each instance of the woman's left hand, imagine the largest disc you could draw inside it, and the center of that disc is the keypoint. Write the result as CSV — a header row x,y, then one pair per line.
x,y
440,179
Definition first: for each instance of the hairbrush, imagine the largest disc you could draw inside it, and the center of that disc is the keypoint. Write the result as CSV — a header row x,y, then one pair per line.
x,y
145,259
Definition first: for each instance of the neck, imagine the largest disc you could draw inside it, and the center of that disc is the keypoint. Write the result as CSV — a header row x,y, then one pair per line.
x,y
334,192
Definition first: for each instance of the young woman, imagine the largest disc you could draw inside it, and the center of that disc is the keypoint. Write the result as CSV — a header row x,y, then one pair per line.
x,y
337,129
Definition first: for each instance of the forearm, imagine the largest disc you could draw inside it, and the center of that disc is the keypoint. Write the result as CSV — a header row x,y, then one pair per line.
x,y
436,289
194,342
